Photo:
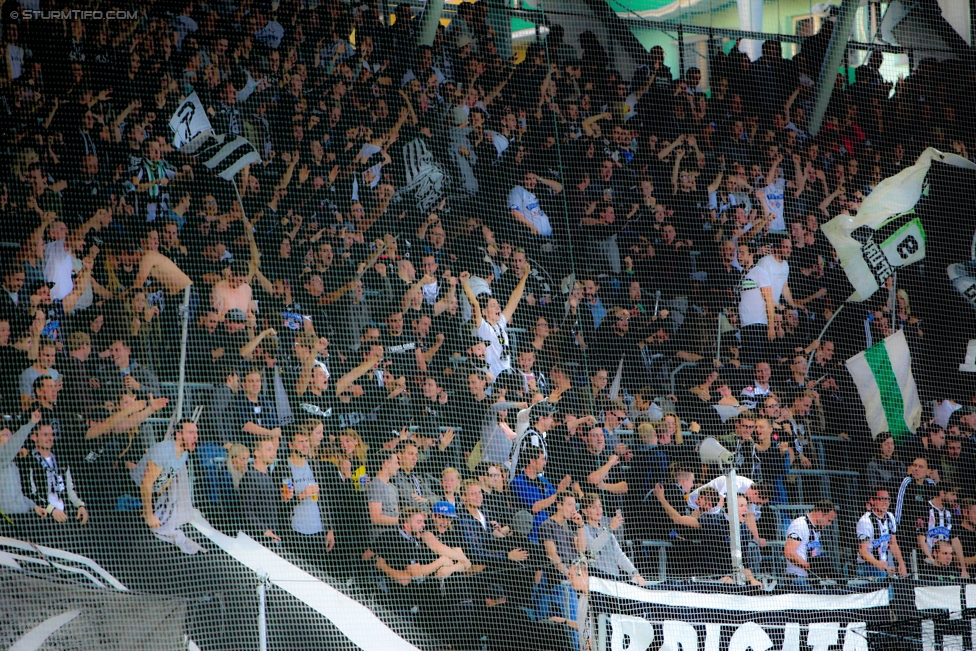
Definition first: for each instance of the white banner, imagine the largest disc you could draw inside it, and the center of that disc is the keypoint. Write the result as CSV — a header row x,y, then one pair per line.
x,y
190,125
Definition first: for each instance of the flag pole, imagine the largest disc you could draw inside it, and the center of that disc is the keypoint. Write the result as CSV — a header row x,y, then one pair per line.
x,y
820,336
894,298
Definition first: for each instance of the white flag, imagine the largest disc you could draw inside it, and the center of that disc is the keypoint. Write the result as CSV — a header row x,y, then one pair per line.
x,y
866,262
190,125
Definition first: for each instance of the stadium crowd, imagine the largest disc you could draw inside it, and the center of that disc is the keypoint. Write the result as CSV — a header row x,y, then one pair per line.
x,y
434,331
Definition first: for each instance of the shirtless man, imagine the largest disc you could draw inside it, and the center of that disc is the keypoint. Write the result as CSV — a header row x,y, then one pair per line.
x,y
233,292
163,271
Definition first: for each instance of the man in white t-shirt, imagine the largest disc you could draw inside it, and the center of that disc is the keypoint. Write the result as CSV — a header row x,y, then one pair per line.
x,y
762,288
803,539
524,205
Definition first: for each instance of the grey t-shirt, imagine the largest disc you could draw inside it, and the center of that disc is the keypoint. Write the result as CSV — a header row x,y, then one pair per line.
x,y
163,454
305,519
562,536
28,377
387,495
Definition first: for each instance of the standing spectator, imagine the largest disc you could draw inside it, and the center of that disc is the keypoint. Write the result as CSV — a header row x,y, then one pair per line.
x,y
79,380
311,532
261,495
878,549
885,469
803,545
609,559
564,540
491,322
42,366
762,288
382,494
12,499
413,488
533,223
256,415
162,478
48,482
914,493
937,526
535,494
127,374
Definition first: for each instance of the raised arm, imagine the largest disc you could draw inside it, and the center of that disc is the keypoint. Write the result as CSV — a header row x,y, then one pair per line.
x,y
516,296
677,518
589,125
676,170
248,349
664,153
10,449
347,380
472,299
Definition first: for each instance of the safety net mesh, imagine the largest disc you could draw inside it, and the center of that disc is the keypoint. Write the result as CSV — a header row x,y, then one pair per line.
x,y
333,324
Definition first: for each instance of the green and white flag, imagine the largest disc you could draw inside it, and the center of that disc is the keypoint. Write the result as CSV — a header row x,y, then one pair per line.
x,y
883,375
883,235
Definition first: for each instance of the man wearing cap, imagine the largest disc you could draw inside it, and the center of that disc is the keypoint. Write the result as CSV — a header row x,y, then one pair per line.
x,y
444,516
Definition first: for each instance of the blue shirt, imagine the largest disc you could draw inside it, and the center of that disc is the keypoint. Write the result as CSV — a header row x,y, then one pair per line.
x,y
530,491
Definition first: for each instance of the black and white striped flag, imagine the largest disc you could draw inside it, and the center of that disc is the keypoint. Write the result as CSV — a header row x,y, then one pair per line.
x,y
224,155
228,157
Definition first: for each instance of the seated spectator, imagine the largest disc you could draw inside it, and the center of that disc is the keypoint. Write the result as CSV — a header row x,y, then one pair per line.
x,y
878,549
443,538
403,558
607,558
803,551
46,352
483,537
450,487
941,567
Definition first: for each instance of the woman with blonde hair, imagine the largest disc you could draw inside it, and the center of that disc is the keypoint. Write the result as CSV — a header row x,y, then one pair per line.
x,y
450,486
238,457
350,458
